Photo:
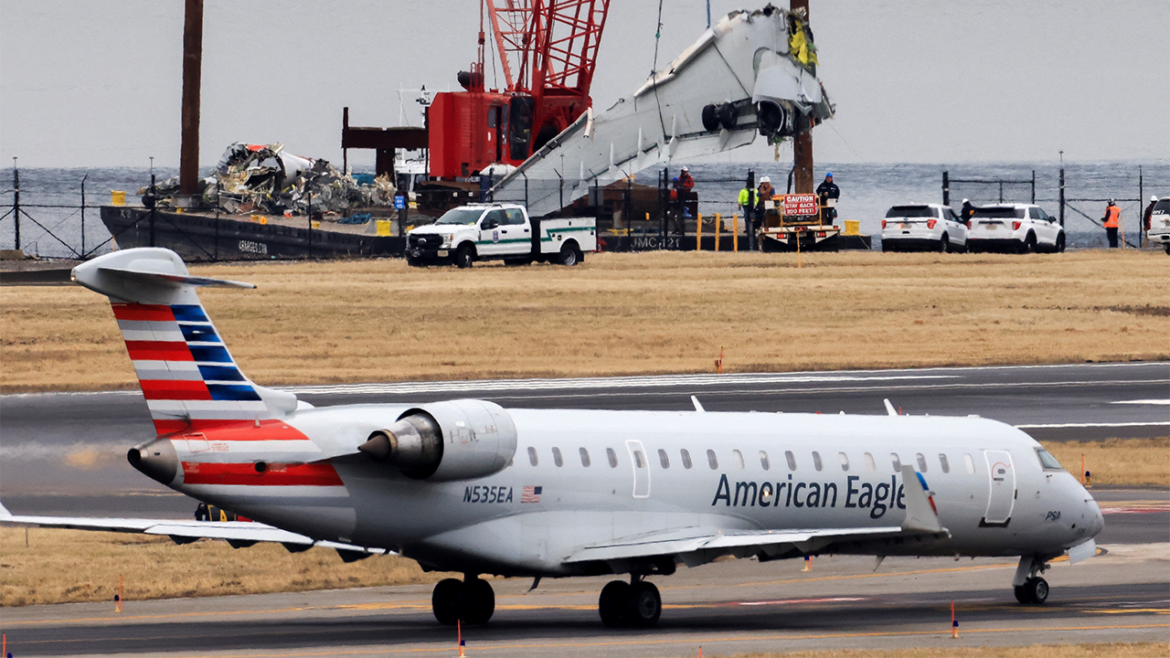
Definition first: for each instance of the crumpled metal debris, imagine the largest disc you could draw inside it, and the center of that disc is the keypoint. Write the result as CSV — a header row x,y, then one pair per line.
x,y
263,178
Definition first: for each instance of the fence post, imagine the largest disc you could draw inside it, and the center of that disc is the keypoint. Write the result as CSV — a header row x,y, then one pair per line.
x,y
218,189
946,188
1033,186
83,213
153,209
749,211
16,201
1001,191
1062,197
1141,215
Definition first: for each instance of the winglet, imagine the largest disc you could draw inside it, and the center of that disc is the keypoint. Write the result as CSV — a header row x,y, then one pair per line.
x,y
921,513
890,408
698,407
4,513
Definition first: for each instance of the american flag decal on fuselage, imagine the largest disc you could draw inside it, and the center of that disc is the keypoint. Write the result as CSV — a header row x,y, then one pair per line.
x,y
189,379
531,494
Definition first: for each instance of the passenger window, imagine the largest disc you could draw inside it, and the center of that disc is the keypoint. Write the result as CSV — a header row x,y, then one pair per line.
x,y
942,461
791,459
639,460
686,458
970,463
844,461
557,457
869,463
584,457
817,460
612,457
515,216
896,461
738,459
532,456
764,460
711,460
493,219
663,459
921,462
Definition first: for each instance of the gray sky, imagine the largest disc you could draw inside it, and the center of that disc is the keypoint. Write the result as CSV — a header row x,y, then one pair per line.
x,y
94,84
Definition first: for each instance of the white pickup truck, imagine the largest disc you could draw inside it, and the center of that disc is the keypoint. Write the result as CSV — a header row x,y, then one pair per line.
x,y
483,231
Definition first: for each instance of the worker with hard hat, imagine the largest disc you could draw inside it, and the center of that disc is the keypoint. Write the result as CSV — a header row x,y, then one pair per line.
x,y
967,212
828,193
1148,212
1112,222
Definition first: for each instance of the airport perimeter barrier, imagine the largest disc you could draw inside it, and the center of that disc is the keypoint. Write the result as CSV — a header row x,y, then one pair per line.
x,y
1077,202
54,223
646,212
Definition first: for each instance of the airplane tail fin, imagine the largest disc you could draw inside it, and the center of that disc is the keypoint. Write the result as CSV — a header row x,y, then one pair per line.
x,y
189,379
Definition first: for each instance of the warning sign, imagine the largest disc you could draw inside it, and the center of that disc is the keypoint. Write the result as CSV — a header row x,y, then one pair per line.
x,y
800,204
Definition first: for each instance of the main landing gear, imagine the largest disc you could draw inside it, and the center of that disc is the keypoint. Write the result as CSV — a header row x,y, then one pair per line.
x,y
636,604
470,601
1029,587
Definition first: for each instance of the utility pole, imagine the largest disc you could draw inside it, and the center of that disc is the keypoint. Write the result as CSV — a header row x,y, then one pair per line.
x,y
192,72
802,145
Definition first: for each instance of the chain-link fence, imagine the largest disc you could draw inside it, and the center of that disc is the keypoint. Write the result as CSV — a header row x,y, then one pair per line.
x,y
1078,201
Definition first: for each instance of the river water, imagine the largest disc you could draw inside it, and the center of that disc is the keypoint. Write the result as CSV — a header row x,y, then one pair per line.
x,y
867,191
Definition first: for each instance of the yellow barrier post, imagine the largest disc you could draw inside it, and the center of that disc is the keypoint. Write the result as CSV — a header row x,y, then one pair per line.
x,y
954,622
699,233
717,227
735,233
118,596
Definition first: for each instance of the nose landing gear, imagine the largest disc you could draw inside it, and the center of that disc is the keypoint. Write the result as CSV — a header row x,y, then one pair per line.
x,y
1029,587
471,601
636,604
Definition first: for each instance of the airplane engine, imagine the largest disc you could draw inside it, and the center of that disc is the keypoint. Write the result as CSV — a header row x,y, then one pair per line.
x,y
454,440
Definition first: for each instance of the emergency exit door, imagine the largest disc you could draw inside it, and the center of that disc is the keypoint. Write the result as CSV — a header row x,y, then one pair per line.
x,y
1001,497
641,466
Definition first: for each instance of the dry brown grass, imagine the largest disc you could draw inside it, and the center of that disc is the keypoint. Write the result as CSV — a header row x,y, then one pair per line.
x,y
1088,650
1117,461
61,566
378,320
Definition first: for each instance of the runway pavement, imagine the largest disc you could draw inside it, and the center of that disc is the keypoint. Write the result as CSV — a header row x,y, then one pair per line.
x,y
65,453
728,607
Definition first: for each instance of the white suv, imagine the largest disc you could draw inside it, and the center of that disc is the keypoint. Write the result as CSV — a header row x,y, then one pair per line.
x,y
926,226
1160,224
1014,227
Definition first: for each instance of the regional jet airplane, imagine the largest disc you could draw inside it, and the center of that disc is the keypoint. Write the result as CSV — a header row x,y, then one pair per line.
x,y
471,487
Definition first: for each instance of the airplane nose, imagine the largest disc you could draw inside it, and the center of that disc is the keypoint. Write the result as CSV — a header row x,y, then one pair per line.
x,y
156,459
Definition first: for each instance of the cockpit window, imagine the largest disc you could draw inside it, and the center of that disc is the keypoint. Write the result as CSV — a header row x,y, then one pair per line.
x,y
1047,460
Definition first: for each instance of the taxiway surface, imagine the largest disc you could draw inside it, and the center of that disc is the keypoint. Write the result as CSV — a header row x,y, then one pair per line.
x,y
728,607
64,453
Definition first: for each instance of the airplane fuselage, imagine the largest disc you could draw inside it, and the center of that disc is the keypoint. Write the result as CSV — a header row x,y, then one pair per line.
x,y
581,478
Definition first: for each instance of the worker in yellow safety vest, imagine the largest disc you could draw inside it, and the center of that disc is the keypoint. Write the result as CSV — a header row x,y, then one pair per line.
x,y
1111,221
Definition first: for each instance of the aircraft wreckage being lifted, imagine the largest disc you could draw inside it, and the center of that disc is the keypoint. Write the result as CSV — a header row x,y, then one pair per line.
x,y
469,486
740,79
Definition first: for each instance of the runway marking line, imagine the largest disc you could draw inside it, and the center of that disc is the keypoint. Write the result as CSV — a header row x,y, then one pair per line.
x,y
334,651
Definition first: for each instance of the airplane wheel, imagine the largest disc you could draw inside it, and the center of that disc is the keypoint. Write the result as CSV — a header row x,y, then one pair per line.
x,y
612,604
1021,592
478,602
445,601
644,605
1037,589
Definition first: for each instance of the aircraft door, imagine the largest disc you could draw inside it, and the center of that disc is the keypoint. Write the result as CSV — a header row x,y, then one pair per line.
x,y
641,466
1002,493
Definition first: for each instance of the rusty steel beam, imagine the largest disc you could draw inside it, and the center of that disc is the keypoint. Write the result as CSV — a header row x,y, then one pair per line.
x,y
192,72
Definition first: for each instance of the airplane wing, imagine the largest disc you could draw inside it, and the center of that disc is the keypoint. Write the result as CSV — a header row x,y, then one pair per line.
x,y
739,79
239,534
697,546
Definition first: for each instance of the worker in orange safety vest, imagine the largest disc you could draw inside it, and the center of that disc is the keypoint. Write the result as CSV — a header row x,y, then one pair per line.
x,y
1111,221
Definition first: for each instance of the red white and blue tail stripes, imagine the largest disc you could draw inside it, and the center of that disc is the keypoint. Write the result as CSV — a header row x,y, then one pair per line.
x,y
189,379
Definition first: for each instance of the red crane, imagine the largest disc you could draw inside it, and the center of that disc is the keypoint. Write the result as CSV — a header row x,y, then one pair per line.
x,y
547,50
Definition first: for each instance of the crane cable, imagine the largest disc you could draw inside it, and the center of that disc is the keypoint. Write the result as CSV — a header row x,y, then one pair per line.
x,y
654,73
